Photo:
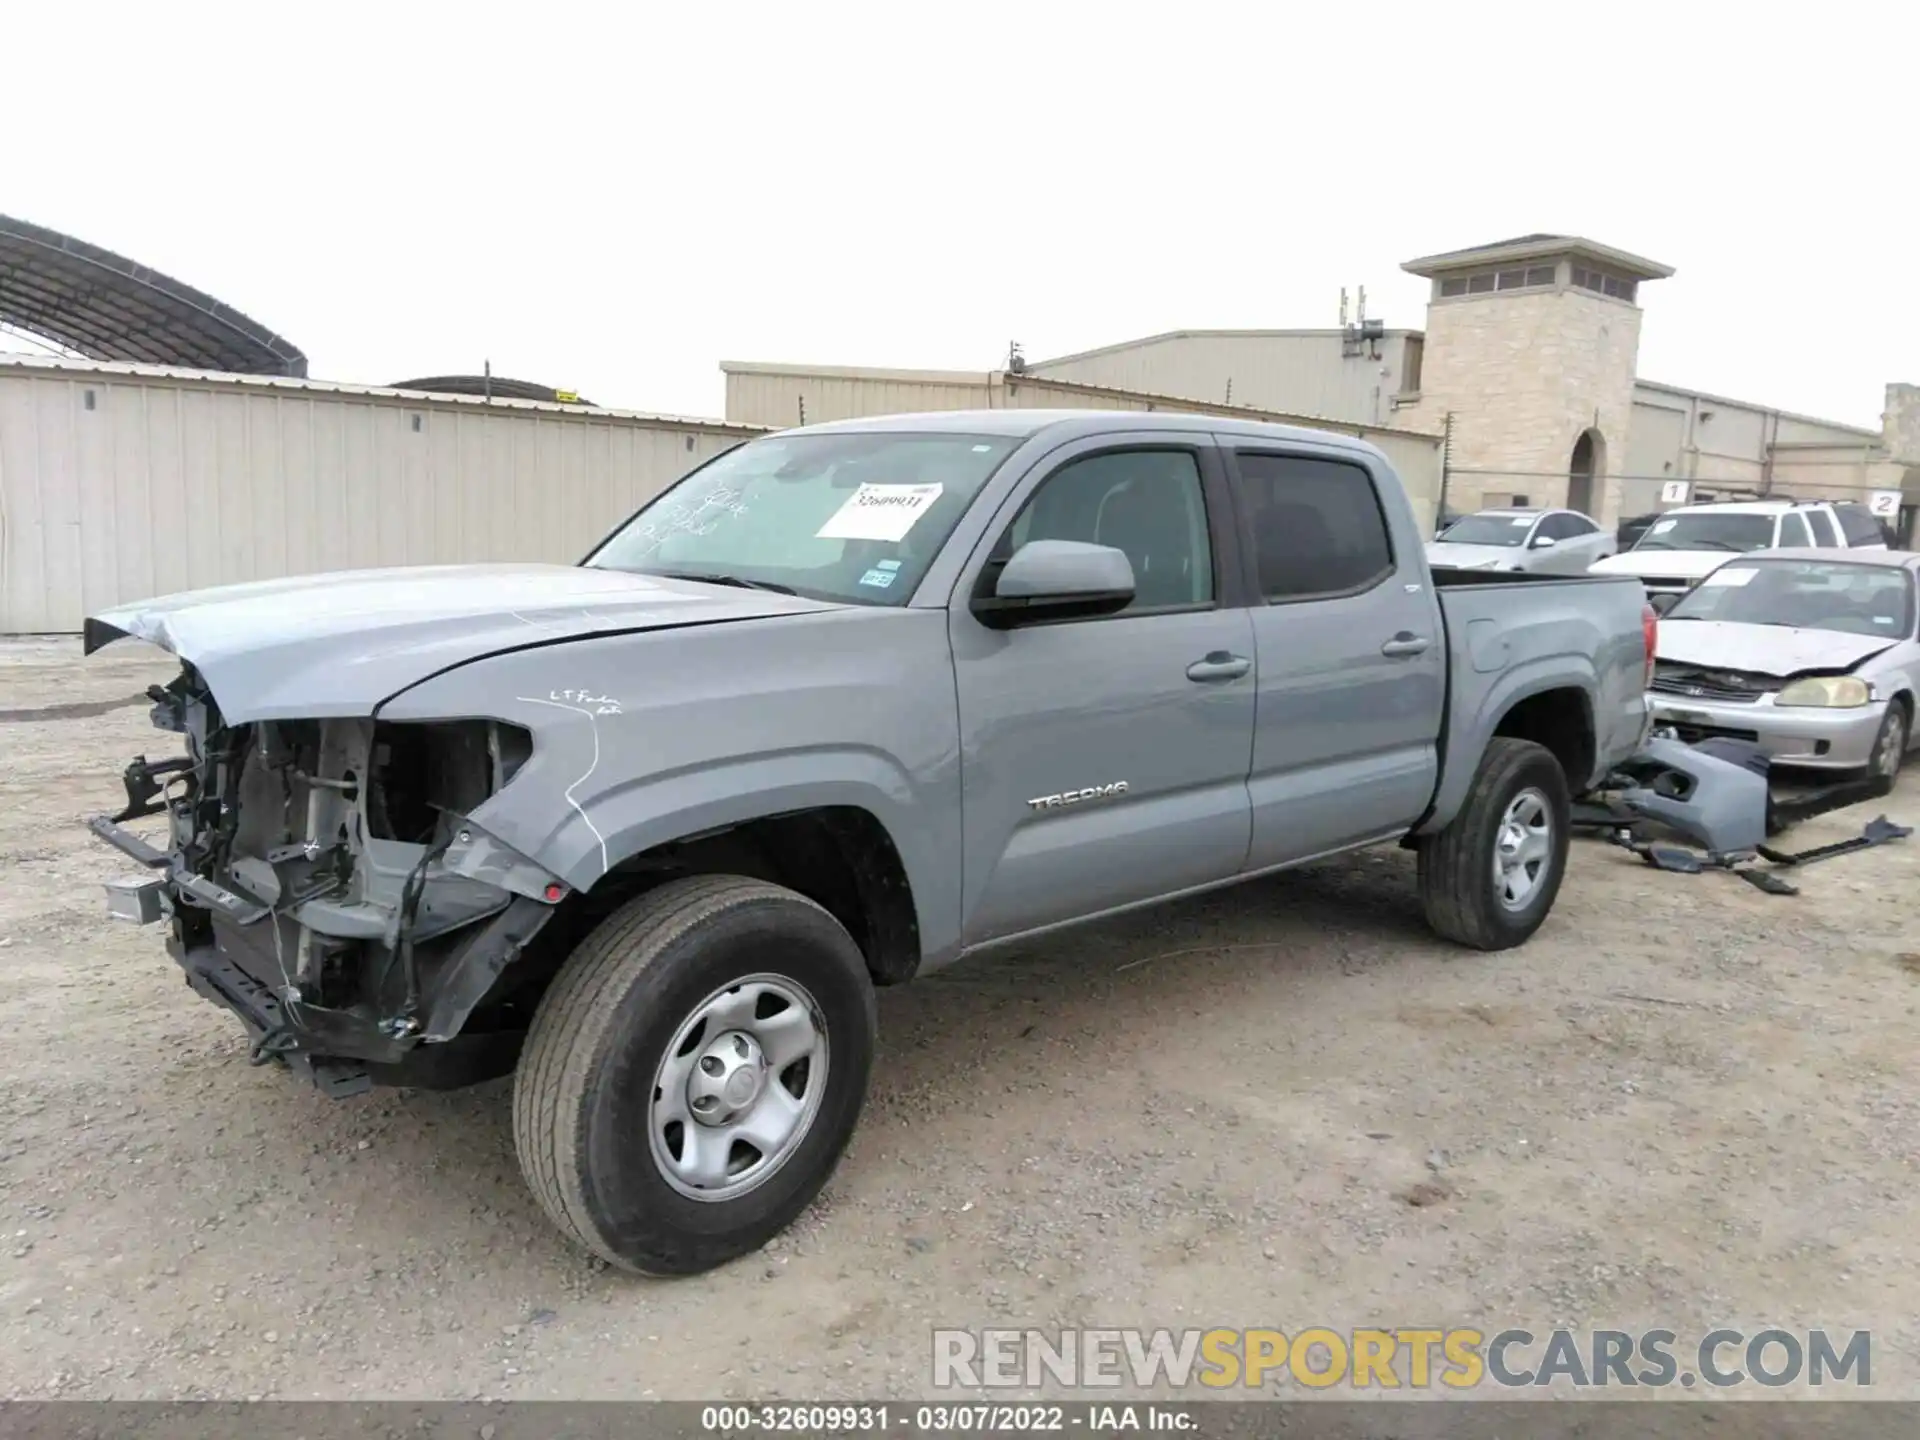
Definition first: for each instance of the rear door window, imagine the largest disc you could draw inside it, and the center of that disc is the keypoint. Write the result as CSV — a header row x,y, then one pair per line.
x,y
1317,526
1562,527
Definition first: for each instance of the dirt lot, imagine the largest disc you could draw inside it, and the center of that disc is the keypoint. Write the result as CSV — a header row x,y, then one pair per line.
x,y
1684,1104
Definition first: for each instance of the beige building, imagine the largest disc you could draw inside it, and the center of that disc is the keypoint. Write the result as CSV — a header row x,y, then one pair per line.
x,y
1522,388
119,482
783,395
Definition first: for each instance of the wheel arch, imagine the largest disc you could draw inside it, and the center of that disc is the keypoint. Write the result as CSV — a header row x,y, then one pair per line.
x,y
1550,702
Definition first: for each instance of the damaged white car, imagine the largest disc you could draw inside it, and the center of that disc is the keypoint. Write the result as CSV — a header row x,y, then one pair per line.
x,y
1808,653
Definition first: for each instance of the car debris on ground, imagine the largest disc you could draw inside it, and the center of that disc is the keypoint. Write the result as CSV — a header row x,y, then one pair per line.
x,y
1717,795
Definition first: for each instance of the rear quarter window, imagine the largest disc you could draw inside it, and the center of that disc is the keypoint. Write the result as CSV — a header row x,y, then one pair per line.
x,y
1858,526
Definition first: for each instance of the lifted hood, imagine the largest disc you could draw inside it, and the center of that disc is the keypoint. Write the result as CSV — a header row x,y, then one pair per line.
x,y
320,646
1777,650
1680,564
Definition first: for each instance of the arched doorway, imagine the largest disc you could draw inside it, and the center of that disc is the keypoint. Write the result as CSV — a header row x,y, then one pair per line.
x,y
1589,463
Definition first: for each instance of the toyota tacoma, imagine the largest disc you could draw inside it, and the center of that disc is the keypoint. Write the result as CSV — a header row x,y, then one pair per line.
x,y
838,708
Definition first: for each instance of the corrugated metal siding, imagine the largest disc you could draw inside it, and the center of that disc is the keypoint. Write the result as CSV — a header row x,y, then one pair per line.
x,y
1656,441
1302,374
788,396
167,484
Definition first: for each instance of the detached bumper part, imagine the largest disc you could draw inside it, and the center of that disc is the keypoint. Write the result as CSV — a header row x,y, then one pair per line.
x,y
1718,803
136,899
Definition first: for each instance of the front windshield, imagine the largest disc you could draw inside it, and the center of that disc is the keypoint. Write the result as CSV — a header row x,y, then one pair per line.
x,y
1808,594
1488,530
1738,533
855,516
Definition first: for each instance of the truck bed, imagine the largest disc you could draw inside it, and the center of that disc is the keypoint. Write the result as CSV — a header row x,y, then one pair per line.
x,y
1513,636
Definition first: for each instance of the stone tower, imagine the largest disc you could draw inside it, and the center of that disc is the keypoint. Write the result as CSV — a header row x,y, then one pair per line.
x,y
1531,345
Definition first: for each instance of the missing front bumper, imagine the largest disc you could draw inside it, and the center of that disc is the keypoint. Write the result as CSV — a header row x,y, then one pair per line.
x,y
341,1053
232,951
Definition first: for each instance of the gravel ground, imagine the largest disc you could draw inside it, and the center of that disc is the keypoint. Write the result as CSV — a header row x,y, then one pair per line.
x,y
1683,1104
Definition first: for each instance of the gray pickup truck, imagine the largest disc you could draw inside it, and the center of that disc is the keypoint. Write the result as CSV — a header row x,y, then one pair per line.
x,y
840,707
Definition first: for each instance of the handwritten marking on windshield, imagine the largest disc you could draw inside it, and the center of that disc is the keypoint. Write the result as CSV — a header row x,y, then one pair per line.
x,y
677,517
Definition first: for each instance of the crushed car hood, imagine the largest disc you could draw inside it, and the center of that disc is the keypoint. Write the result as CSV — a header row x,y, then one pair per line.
x,y
321,646
1680,564
1445,553
1764,649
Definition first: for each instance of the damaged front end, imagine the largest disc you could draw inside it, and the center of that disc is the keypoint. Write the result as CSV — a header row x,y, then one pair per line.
x,y
323,880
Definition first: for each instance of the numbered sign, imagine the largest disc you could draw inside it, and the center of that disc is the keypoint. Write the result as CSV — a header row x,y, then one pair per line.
x,y
1675,492
1884,504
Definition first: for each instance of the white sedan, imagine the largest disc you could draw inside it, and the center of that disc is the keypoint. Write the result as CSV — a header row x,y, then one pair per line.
x,y
1549,542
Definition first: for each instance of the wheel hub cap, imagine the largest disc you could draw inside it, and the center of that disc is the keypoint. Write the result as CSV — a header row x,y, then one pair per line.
x,y
1893,744
738,1088
1522,849
726,1079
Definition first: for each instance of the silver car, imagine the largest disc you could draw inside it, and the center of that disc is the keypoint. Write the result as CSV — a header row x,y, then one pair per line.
x,y
1543,542
1811,653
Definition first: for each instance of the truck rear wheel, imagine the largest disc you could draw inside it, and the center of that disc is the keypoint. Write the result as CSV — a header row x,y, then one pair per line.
x,y
1489,879
694,1073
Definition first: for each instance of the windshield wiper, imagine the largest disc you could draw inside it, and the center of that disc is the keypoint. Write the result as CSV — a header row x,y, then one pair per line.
x,y
739,582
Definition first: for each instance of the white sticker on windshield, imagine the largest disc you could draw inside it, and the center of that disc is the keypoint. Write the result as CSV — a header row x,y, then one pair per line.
x,y
1732,575
1660,527
879,512
1523,520
1883,619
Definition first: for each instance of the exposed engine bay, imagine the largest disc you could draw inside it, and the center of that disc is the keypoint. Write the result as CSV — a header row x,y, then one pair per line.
x,y
323,879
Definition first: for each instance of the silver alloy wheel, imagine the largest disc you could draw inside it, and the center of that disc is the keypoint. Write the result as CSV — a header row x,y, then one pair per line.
x,y
1891,750
739,1087
1522,849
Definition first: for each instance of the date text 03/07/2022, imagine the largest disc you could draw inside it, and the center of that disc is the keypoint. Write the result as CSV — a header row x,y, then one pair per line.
x,y
1097,1418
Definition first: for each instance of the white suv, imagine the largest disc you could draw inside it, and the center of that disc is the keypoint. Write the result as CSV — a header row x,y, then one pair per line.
x,y
1685,544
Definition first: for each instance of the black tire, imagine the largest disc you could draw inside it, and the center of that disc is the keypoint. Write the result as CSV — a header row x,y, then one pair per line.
x,y
1900,721
1456,865
582,1099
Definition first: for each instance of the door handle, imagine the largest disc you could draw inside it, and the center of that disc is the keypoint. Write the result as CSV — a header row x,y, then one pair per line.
x,y
1405,644
1219,665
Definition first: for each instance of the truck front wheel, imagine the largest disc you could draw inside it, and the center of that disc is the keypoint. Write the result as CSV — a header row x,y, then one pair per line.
x,y
1490,877
694,1073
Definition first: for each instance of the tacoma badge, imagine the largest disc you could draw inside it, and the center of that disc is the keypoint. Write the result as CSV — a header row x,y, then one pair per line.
x,y
1074,797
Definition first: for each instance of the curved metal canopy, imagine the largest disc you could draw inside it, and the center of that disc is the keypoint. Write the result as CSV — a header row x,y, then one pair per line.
x,y
107,307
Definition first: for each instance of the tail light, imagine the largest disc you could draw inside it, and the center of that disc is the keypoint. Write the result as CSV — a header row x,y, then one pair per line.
x,y
1650,635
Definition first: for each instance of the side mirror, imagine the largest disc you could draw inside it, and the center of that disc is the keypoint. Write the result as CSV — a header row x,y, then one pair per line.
x,y
1057,580
1543,542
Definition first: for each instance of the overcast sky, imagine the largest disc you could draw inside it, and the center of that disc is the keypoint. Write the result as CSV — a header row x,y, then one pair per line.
x,y
614,198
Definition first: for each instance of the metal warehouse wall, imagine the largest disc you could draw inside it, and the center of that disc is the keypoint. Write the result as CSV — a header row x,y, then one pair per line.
x,y
119,483
790,395
777,395
1302,372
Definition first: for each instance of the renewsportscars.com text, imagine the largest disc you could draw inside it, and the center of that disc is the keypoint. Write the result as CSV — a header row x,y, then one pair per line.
x,y
1404,1357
